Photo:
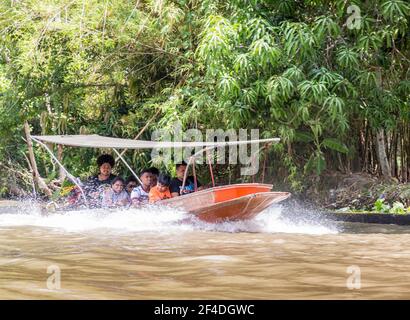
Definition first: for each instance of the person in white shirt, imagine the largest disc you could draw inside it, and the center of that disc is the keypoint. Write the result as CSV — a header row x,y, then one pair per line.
x,y
139,195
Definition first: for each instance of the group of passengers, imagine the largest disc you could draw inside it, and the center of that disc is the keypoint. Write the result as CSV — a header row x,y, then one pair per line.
x,y
108,190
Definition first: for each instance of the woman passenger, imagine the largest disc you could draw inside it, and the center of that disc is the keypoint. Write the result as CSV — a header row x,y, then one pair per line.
x,y
116,196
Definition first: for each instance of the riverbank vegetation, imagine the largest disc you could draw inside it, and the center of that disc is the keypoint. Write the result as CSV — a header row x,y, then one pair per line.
x,y
330,81
360,192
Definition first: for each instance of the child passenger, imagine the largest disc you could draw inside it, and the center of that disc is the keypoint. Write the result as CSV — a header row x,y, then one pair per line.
x,y
116,196
140,194
161,190
130,184
155,173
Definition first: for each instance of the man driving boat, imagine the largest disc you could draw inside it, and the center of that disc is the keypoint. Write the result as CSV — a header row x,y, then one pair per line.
x,y
176,183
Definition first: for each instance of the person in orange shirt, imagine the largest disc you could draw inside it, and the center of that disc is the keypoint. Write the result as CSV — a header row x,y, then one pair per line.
x,y
161,190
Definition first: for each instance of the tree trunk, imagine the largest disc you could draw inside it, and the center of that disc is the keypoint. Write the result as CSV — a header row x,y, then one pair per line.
x,y
366,150
39,181
61,173
381,154
394,164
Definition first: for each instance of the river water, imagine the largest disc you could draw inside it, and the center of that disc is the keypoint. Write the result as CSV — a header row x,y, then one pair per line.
x,y
157,253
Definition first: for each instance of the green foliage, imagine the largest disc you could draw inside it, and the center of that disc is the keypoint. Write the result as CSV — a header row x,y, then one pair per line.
x,y
316,163
335,144
397,208
380,206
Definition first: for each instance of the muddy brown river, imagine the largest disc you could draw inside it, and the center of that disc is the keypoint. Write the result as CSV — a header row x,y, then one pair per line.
x,y
155,253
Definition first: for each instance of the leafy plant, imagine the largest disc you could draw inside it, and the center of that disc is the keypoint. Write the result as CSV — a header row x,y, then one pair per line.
x,y
398,208
380,206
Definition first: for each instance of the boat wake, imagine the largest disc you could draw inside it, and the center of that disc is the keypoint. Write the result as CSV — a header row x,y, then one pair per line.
x,y
154,219
273,220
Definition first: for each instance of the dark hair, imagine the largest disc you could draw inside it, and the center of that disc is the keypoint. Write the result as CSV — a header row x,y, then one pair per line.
x,y
105,158
164,179
116,179
183,163
145,171
131,179
154,170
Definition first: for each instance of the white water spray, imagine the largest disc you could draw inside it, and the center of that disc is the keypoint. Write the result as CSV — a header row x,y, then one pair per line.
x,y
153,219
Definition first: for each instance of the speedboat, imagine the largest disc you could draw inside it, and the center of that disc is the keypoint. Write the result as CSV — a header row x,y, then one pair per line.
x,y
216,204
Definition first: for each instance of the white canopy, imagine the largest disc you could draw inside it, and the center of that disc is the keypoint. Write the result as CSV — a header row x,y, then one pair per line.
x,y
96,141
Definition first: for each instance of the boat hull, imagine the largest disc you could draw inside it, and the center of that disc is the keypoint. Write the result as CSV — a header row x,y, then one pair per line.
x,y
228,203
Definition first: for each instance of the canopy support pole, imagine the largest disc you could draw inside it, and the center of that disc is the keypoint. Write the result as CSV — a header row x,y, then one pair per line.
x,y
190,160
194,173
211,170
62,167
128,166
210,166
186,172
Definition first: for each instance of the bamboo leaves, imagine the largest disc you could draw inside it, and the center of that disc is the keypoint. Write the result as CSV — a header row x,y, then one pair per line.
x,y
335,144
395,9
249,96
242,64
316,163
335,107
314,91
294,73
279,89
347,58
228,86
216,38
370,42
299,41
265,52
326,25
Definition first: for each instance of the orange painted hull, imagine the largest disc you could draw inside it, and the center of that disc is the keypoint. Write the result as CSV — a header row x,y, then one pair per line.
x,y
227,203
